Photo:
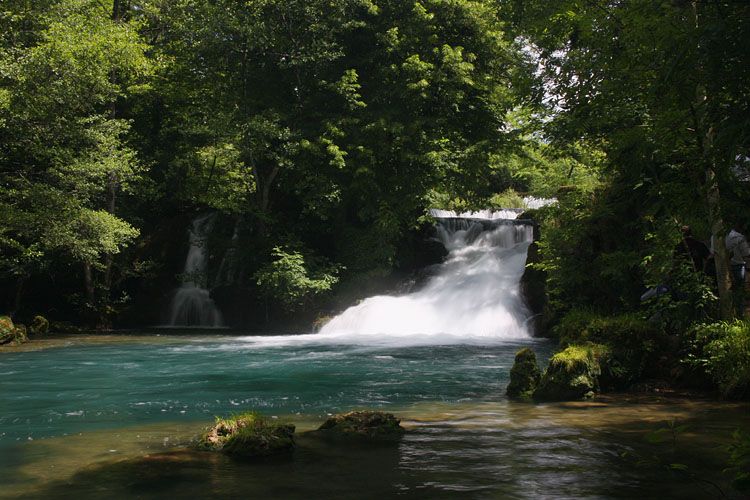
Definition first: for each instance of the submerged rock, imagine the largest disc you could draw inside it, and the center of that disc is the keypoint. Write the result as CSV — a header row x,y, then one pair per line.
x,y
370,425
573,373
524,375
248,436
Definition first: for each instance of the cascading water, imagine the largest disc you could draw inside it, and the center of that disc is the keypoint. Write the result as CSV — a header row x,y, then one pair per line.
x,y
473,295
191,305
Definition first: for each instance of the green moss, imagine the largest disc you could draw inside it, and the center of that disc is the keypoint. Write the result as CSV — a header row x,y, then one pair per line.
x,y
7,330
524,375
11,333
370,425
248,435
636,344
574,373
39,325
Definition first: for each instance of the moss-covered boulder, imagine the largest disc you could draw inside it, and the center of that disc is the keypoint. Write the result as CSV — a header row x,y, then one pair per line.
x,y
39,325
10,333
248,436
574,373
524,375
368,425
7,330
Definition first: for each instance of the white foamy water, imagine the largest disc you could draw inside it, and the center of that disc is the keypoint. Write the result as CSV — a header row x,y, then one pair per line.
x,y
472,297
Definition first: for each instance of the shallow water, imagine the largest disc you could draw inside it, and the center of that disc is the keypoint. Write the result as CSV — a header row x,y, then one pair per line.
x,y
113,417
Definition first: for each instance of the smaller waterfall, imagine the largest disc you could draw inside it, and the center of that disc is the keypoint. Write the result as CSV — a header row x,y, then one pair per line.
x,y
191,305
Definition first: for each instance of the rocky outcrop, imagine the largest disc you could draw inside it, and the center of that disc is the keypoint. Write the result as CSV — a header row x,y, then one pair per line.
x,y
533,287
524,375
368,425
574,373
248,436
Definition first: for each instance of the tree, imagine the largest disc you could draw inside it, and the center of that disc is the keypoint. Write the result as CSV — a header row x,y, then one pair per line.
x,y
62,152
662,86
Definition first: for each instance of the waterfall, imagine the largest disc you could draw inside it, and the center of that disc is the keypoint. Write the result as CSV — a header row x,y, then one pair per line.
x,y
473,294
191,305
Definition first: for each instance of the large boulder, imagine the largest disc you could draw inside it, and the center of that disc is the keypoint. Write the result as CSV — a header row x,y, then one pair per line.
x,y
7,330
368,425
10,333
248,436
524,375
574,373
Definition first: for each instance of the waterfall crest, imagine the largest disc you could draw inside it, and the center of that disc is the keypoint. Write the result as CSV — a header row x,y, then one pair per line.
x,y
473,294
191,304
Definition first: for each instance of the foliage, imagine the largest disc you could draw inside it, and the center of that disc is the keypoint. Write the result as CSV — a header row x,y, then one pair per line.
x,y
287,280
660,87
595,232
63,152
689,293
723,350
635,342
739,460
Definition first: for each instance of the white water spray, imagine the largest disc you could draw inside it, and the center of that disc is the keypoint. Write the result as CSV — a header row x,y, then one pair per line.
x,y
473,296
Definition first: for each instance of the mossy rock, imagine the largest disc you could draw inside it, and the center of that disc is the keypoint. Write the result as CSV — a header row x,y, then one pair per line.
x,y
39,325
10,333
7,330
367,425
22,334
524,375
574,373
248,436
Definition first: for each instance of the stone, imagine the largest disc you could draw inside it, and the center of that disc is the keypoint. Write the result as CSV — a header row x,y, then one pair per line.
x,y
573,373
10,333
368,425
524,375
249,436
39,325
7,330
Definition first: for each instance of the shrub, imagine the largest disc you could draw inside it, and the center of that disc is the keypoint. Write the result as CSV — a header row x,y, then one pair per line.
x,y
723,350
634,341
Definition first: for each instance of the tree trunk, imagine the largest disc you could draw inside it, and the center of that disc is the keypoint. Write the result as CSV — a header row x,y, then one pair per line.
x,y
721,257
88,283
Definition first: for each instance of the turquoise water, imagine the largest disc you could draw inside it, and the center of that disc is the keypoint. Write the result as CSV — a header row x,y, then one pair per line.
x,y
113,417
54,392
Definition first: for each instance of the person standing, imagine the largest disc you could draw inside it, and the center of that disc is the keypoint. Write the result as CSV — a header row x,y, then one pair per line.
x,y
739,261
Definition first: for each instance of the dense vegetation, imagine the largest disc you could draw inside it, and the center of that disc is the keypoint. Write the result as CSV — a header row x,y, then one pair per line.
x,y
319,134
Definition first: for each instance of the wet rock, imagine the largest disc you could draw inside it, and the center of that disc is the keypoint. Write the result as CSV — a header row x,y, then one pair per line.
x,y
248,436
574,373
533,287
524,375
368,425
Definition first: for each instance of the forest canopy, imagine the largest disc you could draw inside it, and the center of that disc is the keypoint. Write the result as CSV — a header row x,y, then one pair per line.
x,y
319,134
